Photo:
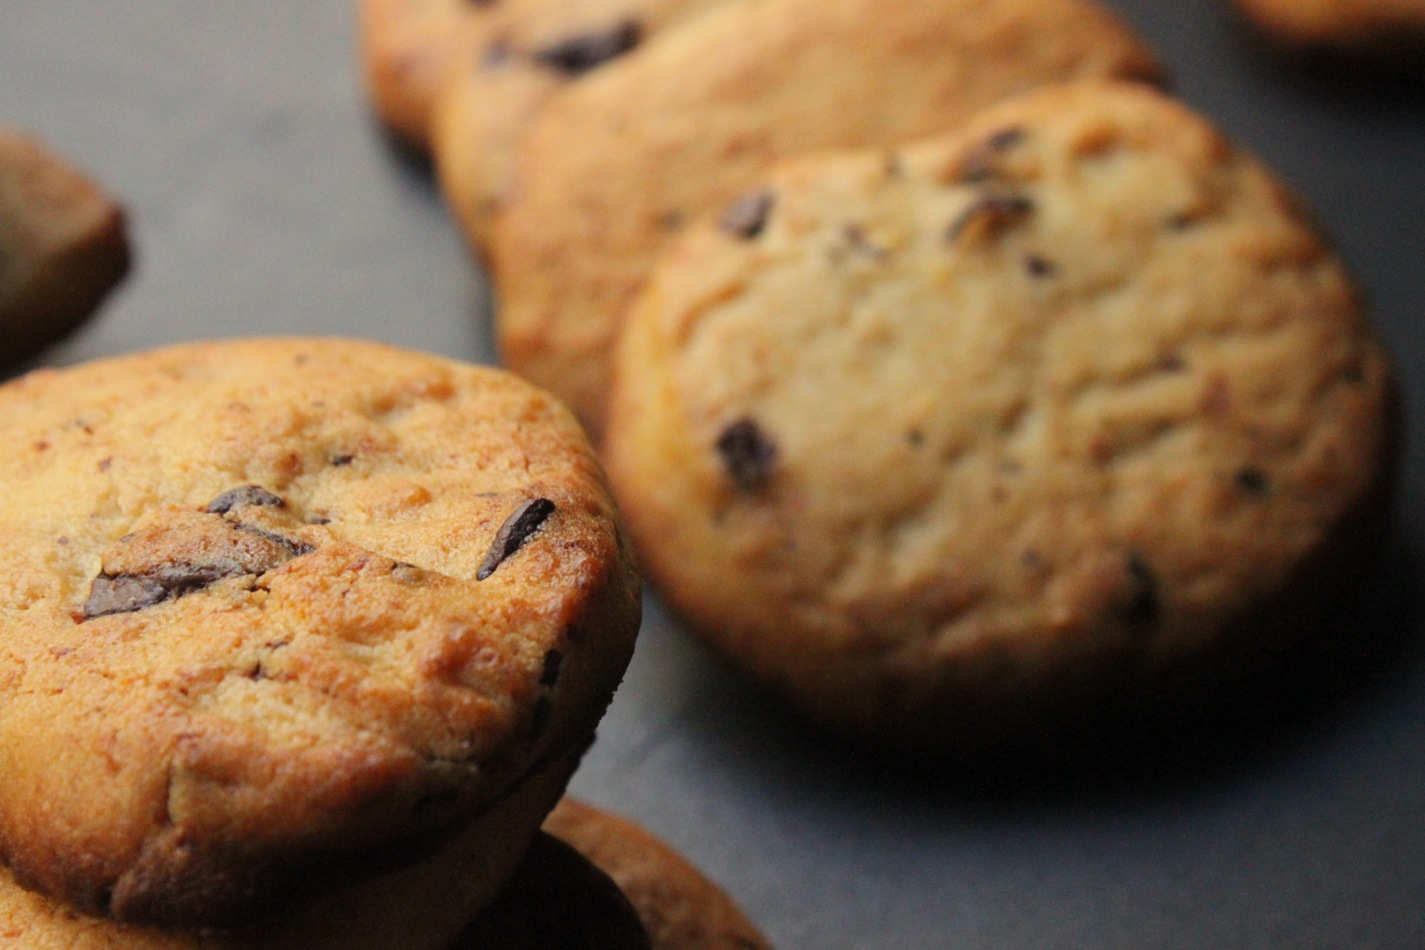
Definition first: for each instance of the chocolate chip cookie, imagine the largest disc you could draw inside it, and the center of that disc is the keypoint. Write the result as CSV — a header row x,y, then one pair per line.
x,y
617,162
277,611
1067,411
62,247
492,97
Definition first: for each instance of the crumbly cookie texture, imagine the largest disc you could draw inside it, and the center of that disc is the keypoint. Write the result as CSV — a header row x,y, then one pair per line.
x,y
62,247
619,161
954,444
274,609
680,908
493,95
1360,26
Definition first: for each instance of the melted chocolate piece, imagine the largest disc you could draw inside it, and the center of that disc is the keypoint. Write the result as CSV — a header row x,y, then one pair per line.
x,y
247,495
747,216
123,593
1144,602
576,55
748,455
512,535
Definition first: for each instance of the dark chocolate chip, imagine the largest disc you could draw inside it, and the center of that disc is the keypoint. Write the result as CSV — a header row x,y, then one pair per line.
x,y
550,674
979,163
1253,481
292,546
1039,266
747,454
747,216
1144,601
915,437
343,460
497,53
579,54
861,242
514,532
990,215
247,495
122,593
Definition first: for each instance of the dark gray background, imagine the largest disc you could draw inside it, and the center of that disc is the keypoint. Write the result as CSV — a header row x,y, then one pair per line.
x,y
263,200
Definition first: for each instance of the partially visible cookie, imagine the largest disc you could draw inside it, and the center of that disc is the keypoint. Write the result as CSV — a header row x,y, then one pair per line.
x,y
492,96
617,162
680,908
62,247
1361,26
277,610
1064,412
408,47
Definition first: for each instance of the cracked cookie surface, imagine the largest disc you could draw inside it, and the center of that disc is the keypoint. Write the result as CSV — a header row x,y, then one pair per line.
x,y
961,439
617,163
248,648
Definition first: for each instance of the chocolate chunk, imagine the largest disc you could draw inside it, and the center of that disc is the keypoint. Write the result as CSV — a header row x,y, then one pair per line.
x,y
579,54
514,532
247,495
293,546
1144,602
989,216
121,594
1039,266
747,216
980,163
550,674
343,460
747,453
1253,481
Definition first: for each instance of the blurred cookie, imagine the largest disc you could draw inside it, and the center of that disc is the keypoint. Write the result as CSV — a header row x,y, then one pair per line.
x,y
680,908
62,247
407,49
960,444
1361,26
490,100
278,609
620,160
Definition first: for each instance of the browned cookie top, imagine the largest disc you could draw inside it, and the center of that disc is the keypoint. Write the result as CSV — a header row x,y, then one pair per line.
x,y
270,607
62,247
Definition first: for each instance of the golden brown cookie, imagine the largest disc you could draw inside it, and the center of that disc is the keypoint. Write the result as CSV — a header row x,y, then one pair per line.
x,y
275,610
680,908
618,161
490,100
1347,25
957,443
62,247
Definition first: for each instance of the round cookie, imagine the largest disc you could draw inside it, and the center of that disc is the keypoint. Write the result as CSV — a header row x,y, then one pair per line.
x,y
618,161
62,247
1057,414
487,104
277,610
680,908
1360,26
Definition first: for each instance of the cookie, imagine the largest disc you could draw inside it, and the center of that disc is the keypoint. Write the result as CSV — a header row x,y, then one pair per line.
x,y
425,906
1358,26
615,163
491,98
277,610
62,247
680,908
1063,413
407,48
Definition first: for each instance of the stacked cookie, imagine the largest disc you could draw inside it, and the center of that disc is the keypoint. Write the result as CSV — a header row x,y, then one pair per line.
x,y
953,382
302,640
62,247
